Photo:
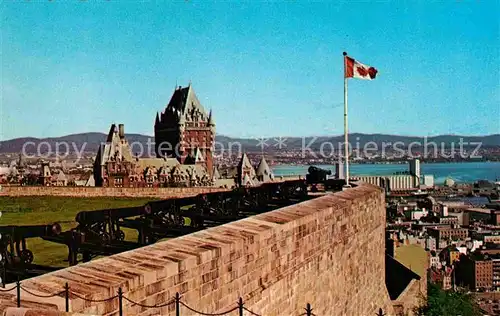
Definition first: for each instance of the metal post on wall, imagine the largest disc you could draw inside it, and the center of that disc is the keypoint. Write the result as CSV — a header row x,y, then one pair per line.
x,y
120,301
240,306
18,286
177,304
66,296
308,310
4,274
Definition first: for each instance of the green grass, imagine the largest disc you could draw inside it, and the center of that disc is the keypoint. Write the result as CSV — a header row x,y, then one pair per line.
x,y
50,209
413,257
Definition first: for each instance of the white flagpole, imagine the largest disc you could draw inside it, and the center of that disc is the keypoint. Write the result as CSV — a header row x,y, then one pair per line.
x,y
346,130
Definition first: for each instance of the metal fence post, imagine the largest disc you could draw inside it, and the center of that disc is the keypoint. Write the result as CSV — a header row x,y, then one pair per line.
x,y
308,310
18,286
240,306
177,304
66,294
120,301
4,275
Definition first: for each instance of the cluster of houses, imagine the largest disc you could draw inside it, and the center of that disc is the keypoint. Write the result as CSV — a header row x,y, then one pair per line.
x,y
461,236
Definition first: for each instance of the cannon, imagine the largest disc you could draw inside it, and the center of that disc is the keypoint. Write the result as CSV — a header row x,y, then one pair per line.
x,y
99,232
13,242
161,219
104,225
317,175
16,259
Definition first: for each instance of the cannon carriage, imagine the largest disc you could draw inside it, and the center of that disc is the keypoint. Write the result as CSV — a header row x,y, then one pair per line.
x,y
104,232
15,257
319,178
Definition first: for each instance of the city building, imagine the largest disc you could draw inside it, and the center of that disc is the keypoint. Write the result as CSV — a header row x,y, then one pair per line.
x,y
449,220
263,172
442,276
449,255
430,243
481,215
415,171
61,179
184,140
392,182
184,130
427,181
434,261
495,216
447,233
484,187
475,271
114,164
339,170
496,273
45,174
246,175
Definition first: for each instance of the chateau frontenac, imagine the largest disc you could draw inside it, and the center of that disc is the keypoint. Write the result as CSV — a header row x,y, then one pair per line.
x,y
184,141
184,138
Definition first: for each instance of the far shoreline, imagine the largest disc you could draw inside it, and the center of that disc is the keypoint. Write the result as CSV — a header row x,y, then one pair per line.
x,y
386,163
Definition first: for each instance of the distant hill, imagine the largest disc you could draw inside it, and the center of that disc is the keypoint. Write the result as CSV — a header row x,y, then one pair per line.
x,y
91,141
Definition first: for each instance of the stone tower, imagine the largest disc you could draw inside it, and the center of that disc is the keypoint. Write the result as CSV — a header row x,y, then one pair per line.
x,y
184,129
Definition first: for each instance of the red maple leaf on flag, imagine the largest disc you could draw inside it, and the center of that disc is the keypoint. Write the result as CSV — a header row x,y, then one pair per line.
x,y
372,72
362,71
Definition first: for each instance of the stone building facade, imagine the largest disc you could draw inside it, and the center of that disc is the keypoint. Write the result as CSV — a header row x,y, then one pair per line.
x,y
115,166
114,163
184,130
184,141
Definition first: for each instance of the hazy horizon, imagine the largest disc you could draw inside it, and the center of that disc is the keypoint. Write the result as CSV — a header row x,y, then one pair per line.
x,y
263,68
273,136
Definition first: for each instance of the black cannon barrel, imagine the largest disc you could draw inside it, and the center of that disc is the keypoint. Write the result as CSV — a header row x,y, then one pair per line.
x,y
316,170
18,232
86,217
317,175
180,202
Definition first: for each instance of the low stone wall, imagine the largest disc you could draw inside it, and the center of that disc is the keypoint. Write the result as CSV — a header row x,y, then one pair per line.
x,y
328,252
162,193
414,296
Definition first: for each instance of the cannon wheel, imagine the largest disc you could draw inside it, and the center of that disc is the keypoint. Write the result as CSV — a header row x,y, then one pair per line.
x,y
26,256
86,257
120,235
150,239
105,237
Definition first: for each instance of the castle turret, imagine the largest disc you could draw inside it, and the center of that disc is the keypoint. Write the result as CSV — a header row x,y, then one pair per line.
x,y
211,121
157,121
121,131
185,125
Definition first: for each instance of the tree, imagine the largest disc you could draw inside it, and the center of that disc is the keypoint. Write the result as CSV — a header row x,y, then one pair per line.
x,y
448,303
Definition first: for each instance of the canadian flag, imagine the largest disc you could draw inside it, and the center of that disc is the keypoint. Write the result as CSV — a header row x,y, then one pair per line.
x,y
355,69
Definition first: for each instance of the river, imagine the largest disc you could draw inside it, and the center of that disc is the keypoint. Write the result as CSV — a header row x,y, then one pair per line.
x,y
459,171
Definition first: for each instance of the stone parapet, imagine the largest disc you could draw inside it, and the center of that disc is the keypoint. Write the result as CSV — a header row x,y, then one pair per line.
x,y
328,251
162,193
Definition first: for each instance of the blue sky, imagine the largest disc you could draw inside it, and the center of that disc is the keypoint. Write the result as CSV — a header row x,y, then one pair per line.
x,y
265,68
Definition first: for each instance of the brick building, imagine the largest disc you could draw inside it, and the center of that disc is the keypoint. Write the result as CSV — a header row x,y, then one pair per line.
x,y
476,271
114,164
184,130
184,140
445,233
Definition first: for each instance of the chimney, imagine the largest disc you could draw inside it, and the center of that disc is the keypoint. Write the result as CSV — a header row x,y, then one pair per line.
x,y
121,131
